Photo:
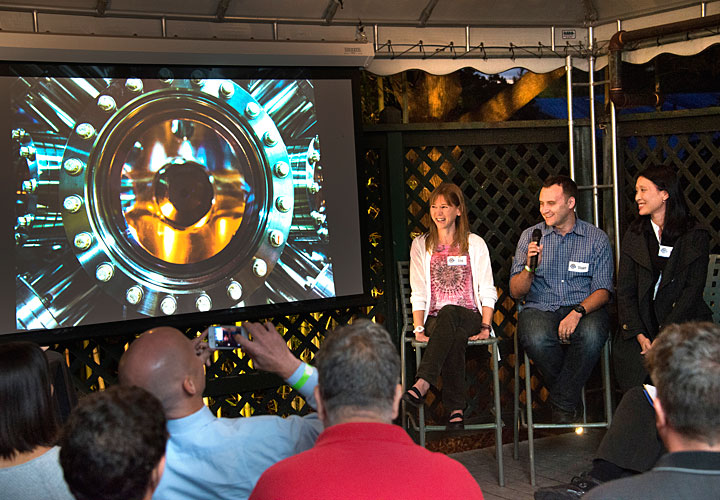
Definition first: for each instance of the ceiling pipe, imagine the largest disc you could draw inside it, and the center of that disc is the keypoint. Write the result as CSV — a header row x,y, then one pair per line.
x,y
618,95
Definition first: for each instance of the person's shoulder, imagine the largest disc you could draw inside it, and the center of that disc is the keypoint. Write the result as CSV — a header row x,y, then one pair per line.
x,y
419,241
475,239
525,234
420,238
628,488
697,231
593,231
540,225
634,232
283,479
290,466
253,428
589,227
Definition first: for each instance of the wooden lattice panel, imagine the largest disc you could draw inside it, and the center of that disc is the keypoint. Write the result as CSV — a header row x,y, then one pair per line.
x,y
375,201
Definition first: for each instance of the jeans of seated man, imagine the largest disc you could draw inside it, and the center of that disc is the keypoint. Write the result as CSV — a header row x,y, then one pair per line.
x,y
445,352
564,368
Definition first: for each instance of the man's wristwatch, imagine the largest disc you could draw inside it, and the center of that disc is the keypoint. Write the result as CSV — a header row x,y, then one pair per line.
x,y
579,308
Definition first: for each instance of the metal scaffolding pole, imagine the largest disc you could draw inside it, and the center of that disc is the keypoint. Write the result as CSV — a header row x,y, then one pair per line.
x,y
616,183
571,147
593,142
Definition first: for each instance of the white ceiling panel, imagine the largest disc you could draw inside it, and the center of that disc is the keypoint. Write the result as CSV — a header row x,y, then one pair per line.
x,y
518,31
454,12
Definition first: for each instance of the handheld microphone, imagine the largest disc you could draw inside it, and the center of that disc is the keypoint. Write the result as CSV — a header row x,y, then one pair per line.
x,y
536,236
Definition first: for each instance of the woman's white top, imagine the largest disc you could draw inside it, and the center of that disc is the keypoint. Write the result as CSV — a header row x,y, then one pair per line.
x,y
484,292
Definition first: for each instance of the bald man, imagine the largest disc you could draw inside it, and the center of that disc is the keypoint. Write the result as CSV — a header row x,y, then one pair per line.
x,y
210,457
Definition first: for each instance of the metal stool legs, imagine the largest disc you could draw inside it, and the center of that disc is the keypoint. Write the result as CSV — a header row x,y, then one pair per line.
x,y
407,340
421,426
531,425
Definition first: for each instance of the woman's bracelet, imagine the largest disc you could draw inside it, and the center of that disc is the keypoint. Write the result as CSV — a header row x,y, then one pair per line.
x,y
419,329
485,326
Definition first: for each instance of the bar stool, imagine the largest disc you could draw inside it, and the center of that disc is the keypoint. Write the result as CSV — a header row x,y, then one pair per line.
x,y
407,341
531,425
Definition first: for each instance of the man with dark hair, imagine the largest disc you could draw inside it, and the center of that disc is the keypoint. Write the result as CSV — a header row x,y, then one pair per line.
x,y
684,365
113,445
210,457
564,281
360,454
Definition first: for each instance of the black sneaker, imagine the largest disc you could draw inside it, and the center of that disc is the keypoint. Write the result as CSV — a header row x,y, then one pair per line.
x,y
579,485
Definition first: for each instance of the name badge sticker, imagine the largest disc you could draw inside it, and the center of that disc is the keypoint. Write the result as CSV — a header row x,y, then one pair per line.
x,y
664,251
578,267
457,260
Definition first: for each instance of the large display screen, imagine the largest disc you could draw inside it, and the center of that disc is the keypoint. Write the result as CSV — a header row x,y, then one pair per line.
x,y
157,192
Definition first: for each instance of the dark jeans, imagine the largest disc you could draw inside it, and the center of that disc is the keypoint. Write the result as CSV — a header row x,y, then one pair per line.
x,y
445,351
564,368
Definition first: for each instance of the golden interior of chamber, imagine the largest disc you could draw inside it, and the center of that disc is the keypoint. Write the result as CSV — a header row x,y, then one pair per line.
x,y
182,190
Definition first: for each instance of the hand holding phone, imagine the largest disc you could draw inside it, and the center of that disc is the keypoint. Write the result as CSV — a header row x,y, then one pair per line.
x,y
223,337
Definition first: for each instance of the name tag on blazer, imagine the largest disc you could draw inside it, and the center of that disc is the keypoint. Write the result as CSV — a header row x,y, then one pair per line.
x,y
457,260
664,251
578,267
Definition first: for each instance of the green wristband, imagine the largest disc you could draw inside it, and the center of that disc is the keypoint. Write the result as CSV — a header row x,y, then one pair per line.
x,y
305,376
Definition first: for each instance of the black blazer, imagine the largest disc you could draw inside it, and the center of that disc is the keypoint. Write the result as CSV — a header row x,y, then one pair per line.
x,y
679,296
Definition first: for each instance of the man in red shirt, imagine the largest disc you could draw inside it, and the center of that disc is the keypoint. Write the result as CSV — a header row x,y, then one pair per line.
x,y
361,454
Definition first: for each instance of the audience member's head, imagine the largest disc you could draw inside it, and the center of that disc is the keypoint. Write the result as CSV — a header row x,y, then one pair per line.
x,y
358,375
113,445
27,411
163,361
684,364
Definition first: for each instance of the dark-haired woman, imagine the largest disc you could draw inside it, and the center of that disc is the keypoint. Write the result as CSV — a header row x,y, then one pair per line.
x,y
663,268
29,467
453,298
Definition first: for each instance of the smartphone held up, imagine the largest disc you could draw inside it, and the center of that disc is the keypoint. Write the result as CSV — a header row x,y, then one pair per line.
x,y
223,337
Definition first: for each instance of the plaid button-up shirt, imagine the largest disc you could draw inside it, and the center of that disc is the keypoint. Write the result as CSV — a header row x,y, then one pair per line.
x,y
572,267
